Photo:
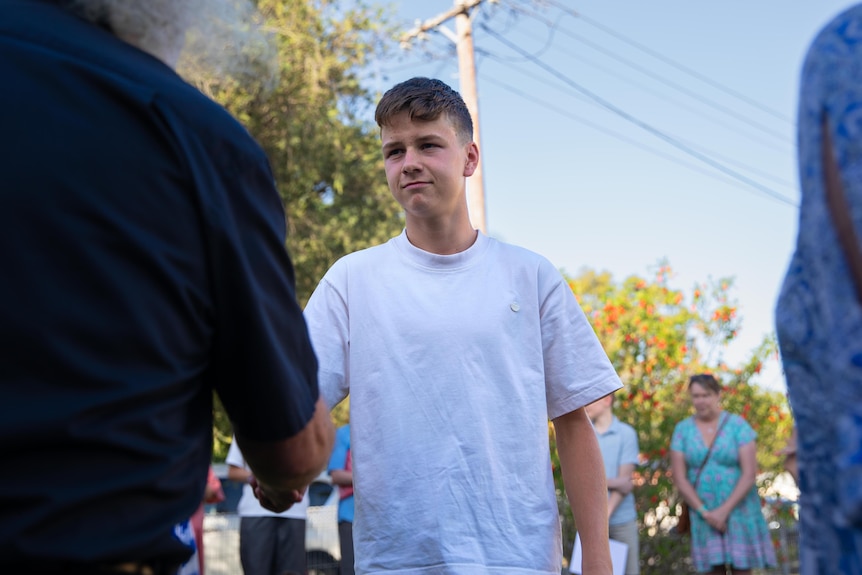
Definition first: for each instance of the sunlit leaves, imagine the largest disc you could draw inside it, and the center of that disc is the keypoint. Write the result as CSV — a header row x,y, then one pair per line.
x,y
312,114
657,336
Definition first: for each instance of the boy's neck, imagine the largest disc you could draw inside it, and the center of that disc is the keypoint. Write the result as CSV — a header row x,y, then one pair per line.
x,y
441,240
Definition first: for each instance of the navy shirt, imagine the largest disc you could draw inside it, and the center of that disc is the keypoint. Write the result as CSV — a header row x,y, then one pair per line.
x,y
142,265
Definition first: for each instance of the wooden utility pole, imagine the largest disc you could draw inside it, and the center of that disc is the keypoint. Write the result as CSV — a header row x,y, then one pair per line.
x,y
463,38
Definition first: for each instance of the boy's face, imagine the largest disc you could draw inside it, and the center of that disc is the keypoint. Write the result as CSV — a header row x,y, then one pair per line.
x,y
426,166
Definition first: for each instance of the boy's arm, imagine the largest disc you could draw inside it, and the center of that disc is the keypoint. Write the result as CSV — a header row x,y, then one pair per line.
x,y
586,488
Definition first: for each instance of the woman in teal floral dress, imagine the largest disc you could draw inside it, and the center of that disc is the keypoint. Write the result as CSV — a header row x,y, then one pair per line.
x,y
727,524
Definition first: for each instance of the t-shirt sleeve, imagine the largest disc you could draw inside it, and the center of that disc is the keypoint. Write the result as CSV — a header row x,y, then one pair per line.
x,y
577,369
234,455
328,323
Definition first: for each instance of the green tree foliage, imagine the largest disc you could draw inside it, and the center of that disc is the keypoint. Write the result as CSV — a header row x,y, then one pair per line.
x,y
300,94
656,337
312,116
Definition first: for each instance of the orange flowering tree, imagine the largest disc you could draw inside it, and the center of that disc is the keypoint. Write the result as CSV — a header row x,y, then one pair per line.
x,y
656,337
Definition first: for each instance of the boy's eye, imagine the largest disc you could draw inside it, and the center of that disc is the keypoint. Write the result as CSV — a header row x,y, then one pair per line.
x,y
393,152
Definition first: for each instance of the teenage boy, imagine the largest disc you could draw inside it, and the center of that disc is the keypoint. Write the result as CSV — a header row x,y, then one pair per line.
x,y
456,349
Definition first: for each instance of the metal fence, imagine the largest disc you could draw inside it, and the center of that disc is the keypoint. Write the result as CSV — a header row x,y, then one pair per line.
x,y
221,529
221,542
786,550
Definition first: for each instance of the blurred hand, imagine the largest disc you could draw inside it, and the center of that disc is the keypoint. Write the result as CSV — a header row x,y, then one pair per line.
x,y
717,519
275,501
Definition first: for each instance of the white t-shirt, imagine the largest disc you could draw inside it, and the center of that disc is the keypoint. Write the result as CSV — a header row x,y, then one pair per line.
x,y
454,364
248,505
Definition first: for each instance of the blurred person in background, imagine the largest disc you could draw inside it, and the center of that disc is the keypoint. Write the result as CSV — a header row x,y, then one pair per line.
x,y
269,543
213,493
341,472
618,442
819,311
714,464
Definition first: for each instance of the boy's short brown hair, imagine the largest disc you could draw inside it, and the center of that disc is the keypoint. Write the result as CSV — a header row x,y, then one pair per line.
x,y
425,99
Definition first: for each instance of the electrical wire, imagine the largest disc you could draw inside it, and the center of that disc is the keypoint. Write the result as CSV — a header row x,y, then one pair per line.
x,y
649,73
693,73
769,192
682,105
617,135
704,149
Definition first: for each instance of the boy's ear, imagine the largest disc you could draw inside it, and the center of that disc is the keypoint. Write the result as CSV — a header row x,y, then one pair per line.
x,y
472,159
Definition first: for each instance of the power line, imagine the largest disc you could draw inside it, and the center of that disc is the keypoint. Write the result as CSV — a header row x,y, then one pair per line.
x,y
553,26
707,156
643,125
563,89
440,61
751,169
548,42
617,135
671,62
706,101
769,144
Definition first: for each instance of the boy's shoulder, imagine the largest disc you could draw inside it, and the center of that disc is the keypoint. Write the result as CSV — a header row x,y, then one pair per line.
x,y
520,254
364,256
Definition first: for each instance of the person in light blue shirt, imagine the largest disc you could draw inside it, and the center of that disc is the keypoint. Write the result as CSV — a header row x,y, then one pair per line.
x,y
618,442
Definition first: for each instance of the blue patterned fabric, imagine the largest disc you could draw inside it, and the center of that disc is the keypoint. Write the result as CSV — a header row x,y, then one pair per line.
x,y
818,317
746,544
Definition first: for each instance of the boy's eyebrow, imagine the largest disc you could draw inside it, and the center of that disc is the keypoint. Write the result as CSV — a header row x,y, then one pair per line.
x,y
391,144
420,140
429,137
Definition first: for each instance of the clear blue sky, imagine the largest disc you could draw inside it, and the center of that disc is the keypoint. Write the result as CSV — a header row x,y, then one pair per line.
x,y
579,184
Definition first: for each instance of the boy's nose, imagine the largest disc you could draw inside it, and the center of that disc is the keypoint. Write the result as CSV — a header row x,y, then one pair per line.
x,y
411,161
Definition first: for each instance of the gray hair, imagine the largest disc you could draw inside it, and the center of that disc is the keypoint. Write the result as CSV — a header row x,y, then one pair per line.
x,y
155,26
220,36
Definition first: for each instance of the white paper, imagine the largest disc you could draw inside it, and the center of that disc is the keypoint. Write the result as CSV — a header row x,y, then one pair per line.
x,y
619,556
